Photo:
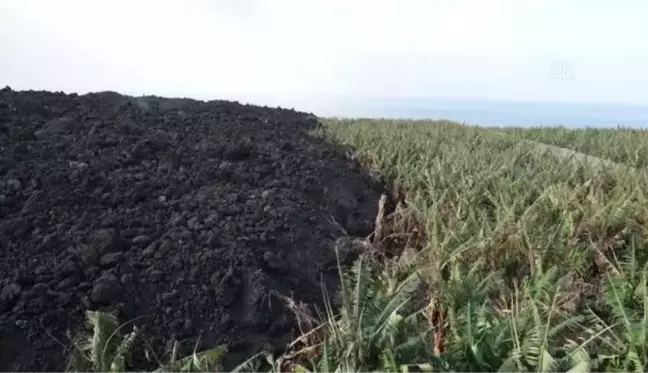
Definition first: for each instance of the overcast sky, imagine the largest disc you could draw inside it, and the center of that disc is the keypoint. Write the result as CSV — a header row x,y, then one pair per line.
x,y
316,51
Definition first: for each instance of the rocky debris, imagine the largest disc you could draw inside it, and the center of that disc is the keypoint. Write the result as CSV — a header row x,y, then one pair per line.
x,y
106,289
9,294
187,215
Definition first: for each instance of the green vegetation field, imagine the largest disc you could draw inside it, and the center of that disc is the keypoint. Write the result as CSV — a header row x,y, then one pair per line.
x,y
508,258
536,261
627,146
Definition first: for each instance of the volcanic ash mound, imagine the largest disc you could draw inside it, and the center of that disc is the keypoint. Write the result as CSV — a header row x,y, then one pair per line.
x,y
190,216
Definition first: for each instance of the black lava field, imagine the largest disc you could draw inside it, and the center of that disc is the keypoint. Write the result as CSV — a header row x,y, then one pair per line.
x,y
188,216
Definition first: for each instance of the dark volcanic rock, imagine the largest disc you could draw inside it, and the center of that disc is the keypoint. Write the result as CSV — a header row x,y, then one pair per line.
x,y
184,214
105,289
8,294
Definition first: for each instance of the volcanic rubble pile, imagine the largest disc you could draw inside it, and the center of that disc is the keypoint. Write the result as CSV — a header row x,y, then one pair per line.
x,y
188,215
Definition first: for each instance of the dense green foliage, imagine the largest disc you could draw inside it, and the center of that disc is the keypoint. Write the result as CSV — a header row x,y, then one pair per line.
x,y
546,257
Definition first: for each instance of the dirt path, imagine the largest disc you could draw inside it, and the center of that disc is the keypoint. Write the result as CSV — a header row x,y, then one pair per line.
x,y
578,158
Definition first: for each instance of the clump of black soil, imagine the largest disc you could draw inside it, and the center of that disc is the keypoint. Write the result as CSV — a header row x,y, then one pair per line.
x,y
188,215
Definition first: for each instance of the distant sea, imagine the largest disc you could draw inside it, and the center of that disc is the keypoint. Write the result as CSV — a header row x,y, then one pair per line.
x,y
497,113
